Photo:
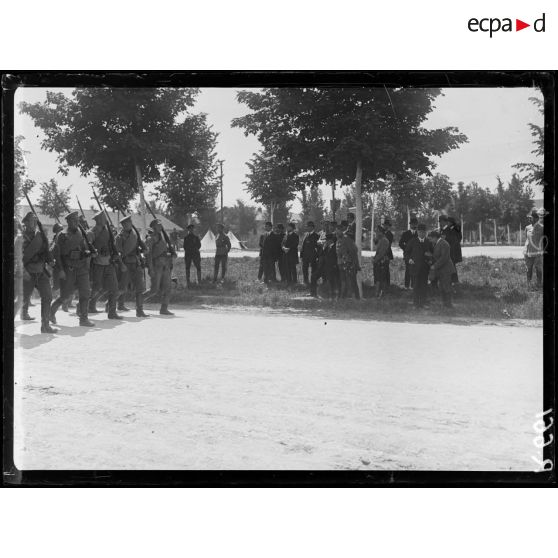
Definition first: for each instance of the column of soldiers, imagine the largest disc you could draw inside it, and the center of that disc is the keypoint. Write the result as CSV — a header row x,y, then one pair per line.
x,y
94,263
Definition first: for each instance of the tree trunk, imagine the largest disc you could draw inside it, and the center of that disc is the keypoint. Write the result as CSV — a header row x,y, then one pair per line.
x,y
408,215
272,207
333,200
480,233
373,204
462,227
143,207
358,218
509,236
520,235
495,233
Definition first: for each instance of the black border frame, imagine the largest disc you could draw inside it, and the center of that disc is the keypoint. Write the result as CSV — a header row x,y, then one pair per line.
x,y
10,81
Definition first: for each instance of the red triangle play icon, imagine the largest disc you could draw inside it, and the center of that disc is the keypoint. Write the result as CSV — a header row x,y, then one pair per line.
x,y
519,25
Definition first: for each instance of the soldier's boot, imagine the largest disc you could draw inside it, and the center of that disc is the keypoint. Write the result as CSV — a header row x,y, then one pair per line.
x,y
165,310
92,306
139,307
65,307
46,327
83,317
53,309
112,315
121,306
25,314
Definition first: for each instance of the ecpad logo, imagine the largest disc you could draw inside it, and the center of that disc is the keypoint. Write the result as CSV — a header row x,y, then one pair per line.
x,y
494,24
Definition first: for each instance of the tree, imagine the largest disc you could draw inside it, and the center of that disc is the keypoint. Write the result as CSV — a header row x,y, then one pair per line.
x,y
355,134
49,200
534,172
313,207
268,183
408,194
22,183
241,218
516,201
124,136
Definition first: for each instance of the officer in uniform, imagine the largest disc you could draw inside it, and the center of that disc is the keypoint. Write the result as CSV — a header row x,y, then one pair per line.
x,y
192,245
36,255
132,271
73,262
103,271
160,258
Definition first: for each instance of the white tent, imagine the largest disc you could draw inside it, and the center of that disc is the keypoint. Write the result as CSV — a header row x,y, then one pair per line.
x,y
208,242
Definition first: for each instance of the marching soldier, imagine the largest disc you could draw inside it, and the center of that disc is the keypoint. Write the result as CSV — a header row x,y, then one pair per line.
x,y
132,271
160,258
103,271
36,256
73,262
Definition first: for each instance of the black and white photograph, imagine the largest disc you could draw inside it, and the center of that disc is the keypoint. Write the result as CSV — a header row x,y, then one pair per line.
x,y
320,275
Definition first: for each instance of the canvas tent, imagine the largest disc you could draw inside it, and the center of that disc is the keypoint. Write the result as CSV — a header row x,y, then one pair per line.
x,y
208,242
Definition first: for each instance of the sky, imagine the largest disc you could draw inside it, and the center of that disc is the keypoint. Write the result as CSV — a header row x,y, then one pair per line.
x,y
495,120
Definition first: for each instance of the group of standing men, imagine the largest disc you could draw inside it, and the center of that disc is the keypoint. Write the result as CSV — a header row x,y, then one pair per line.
x,y
94,262
332,256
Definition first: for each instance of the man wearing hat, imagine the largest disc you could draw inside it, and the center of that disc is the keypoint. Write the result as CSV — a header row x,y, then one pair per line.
x,y
442,266
536,246
451,232
350,229
73,263
417,254
192,246
160,259
103,271
309,251
35,256
127,244
381,261
403,241
389,236
222,249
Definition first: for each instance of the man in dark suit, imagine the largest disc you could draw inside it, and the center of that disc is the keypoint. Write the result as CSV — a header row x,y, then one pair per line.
x,y
192,246
418,254
309,251
350,230
279,236
442,267
451,232
268,248
290,250
403,241
389,235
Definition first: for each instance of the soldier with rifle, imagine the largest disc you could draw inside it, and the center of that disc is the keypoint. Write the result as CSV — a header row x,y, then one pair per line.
x,y
105,264
36,257
160,259
73,260
130,245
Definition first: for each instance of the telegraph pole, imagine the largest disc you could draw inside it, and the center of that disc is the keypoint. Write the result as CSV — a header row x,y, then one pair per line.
x,y
221,178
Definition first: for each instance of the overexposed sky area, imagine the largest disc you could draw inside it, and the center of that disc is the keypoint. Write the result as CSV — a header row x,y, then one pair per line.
x,y
494,119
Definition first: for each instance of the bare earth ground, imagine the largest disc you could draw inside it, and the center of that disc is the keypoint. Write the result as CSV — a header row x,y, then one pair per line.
x,y
238,389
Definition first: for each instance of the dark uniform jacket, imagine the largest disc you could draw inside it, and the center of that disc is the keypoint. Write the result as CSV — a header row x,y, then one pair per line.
x,y
157,249
291,241
309,249
192,244
277,242
389,236
222,244
100,238
72,250
351,231
419,252
127,245
329,254
268,244
35,251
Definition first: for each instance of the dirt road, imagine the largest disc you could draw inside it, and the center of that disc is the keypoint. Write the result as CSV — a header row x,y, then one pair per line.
x,y
212,389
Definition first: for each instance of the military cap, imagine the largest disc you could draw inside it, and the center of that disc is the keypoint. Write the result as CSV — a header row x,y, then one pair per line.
x,y
413,220
98,214
57,227
149,230
154,222
421,227
72,214
124,219
28,216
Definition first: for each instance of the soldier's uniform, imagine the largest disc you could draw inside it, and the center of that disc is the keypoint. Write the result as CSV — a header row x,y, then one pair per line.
x,y
127,244
160,261
103,271
192,245
36,255
73,258
56,229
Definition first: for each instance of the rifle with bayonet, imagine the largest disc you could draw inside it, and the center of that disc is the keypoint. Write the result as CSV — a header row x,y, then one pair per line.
x,y
45,248
85,223
115,256
90,247
170,248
